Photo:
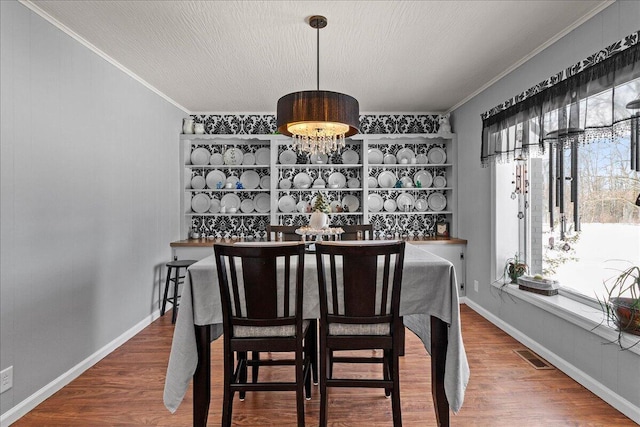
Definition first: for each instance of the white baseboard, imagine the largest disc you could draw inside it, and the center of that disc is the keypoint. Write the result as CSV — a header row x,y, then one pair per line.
x,y
22,408
620,403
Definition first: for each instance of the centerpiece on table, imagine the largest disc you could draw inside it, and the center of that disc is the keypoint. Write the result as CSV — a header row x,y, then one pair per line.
x,y
319,222
320,216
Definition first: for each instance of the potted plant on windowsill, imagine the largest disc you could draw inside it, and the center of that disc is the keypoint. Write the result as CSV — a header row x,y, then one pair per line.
x,y
514,268
621,306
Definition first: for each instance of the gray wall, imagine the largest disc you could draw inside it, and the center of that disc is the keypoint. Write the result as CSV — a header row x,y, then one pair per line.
x,y
616,370
90,201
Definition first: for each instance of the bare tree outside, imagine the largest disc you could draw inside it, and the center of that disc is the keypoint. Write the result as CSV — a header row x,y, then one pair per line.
x,y
609,220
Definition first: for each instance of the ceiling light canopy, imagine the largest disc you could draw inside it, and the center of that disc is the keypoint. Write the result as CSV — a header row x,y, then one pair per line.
x,y
318,120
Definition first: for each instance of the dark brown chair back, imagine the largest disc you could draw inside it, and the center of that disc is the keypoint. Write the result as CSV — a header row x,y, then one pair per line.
x,y
369,291
351,232
288,232
252,292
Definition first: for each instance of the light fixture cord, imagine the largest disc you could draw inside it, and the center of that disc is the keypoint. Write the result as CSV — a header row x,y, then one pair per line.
x,y
318,57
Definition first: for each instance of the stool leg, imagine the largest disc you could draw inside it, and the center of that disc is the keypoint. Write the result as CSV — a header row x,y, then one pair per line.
x,y
175,296
166,292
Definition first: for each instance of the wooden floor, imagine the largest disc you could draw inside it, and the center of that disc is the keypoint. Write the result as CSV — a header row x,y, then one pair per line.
x,y
125,389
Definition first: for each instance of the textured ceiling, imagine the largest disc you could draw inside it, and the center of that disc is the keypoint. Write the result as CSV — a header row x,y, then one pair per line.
x,y
393,56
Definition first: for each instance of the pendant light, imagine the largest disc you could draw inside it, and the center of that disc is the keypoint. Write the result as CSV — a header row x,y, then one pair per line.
x,y
318,120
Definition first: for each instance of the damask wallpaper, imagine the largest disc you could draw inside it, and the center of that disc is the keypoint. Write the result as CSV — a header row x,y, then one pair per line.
x,y
264,124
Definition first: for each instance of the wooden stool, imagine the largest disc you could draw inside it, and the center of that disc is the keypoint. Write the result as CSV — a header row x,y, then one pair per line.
x,y
176,279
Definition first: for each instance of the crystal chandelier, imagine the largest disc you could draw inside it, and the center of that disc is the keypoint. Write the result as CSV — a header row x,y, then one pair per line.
x,y
318,120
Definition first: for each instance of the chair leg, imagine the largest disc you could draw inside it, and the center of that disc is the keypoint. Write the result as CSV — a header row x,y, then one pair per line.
x,y
313,349
330,367
242,378
166,292
306,366
174,314
255,357
227,399
300,386
386,370
323,381
395,394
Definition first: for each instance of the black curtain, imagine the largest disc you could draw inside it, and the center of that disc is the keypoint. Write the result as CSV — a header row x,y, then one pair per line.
x,y
588,105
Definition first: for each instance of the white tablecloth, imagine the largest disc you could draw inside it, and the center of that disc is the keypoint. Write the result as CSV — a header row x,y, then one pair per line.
x,y
429,288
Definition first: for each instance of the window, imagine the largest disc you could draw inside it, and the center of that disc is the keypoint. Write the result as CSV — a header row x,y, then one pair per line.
x,y
598,231
574,146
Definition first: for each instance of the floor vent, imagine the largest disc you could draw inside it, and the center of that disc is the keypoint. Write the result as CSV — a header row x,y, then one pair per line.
x,y
533,359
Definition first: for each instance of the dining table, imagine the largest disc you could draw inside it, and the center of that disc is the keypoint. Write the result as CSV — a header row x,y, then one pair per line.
x,y
429,305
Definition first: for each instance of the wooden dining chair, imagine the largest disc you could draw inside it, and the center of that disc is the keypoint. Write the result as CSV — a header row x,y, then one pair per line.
x,y
359,288
351,232
261,288
288,232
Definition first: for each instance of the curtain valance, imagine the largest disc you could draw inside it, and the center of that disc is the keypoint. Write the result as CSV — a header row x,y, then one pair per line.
x,y
583,103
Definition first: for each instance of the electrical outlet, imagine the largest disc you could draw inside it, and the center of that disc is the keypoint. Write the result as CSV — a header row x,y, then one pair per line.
x,y
475,285
6,379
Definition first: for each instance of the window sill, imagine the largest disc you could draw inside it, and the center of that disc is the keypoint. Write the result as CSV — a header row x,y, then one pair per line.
x,y
575,312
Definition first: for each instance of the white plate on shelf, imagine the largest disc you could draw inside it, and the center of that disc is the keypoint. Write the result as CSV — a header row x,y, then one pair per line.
x,y
375,202
230,201
319,183
216,159
390,159
387,179
390,205
350,157
334,206
437,201
247,206
200,203
439,181
422,159
288,157
372,181
286,204
337,178
198,182
265,182
405,199
421,205
405,154
437,155
285,184
215,206
375,156
302,180
232,179
353,183
263,156
351,202
200,156
250,179
262,203
233,156
248,159
424,177
319,159
214,177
